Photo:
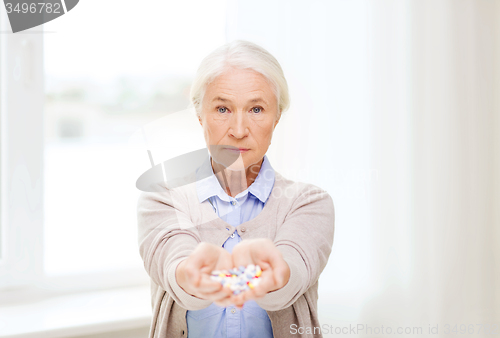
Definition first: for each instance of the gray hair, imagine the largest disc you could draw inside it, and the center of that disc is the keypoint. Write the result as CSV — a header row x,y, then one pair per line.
x,y
240,54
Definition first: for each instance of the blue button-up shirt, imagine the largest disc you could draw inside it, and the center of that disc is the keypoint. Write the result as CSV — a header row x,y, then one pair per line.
x,y
229,322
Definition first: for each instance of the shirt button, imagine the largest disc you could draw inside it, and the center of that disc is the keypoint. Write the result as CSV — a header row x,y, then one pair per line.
x,y
243,229
233,311
233,202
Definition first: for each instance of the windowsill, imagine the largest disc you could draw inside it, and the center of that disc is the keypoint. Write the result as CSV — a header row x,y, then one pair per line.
x,y
78,314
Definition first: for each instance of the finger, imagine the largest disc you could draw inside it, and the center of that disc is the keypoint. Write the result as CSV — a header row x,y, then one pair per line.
x,y
241,254
208,285
244,297
225,261
236,300
223,294
226,301
260,291
192,274
205,256
282,273
279,267
264,266
274,275
267,283
242,259
263,249
198,264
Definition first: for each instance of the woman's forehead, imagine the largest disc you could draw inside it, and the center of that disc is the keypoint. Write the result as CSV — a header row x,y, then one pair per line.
x,y
240,77
240,82
253,99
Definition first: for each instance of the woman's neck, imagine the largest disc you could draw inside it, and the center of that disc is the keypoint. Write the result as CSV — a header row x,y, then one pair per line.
x,y
235,181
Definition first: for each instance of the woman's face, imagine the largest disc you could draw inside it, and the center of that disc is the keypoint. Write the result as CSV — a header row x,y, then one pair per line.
x,y
239,114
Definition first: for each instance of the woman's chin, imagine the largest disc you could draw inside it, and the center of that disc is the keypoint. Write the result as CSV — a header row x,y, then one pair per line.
x,y
229,163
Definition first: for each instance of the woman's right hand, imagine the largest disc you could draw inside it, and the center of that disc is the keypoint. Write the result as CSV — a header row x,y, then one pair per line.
x,y
193,273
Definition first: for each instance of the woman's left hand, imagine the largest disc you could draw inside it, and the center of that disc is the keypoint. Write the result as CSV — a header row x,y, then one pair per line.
x,y
275,270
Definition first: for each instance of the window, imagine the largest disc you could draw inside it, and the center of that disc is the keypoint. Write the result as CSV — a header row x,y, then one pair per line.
x,y
90,84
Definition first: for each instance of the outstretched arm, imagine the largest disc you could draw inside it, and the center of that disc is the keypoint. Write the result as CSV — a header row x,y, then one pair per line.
x,y
167,239
305,240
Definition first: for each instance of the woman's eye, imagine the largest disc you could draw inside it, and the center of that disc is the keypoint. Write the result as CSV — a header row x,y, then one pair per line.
x,y
222,109
256,109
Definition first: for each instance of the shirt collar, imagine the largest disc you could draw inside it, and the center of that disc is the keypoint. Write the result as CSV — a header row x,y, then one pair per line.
x,y
207,184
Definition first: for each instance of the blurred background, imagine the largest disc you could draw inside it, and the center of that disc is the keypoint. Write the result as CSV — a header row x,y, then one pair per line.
x,y
395,111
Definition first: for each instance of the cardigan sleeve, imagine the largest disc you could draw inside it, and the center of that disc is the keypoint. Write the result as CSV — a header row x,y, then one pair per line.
x,y
166,236
305,239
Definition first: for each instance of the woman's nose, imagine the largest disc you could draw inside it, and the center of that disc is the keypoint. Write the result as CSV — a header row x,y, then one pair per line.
x,y
239,125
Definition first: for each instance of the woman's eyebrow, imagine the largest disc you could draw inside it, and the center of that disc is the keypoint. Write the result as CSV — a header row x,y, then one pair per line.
x,y
218,98
256,100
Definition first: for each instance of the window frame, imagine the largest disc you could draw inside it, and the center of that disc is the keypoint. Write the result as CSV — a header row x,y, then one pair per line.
x,y
22,276
21,156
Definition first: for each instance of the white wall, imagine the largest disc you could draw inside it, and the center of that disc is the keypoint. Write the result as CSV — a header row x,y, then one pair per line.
x,y
395,113
324,138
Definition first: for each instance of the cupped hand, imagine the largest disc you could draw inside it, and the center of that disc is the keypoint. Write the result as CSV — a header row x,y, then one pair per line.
x,y
275,270
193,273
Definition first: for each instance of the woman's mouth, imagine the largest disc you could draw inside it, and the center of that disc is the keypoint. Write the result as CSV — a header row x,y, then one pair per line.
x,y
238,150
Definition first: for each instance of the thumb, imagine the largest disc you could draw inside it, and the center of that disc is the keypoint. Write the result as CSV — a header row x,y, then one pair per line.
x,y
192,271
225,261
280,268
283,273
194,277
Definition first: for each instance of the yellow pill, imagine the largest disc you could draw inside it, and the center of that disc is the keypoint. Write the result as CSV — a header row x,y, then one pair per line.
x,y
258,273
222,275
250,285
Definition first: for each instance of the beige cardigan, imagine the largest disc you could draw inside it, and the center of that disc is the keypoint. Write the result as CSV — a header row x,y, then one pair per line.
x,y
298,217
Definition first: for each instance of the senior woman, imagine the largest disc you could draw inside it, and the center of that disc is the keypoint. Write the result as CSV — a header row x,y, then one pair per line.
x,y
239,211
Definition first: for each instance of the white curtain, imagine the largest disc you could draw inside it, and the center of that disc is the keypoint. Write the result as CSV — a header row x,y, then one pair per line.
x,y
396,113
436,125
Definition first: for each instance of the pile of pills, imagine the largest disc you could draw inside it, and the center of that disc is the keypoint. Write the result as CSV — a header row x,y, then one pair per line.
x,y
238,279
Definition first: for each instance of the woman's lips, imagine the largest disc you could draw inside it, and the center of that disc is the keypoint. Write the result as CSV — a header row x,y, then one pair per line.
x,y
239,150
